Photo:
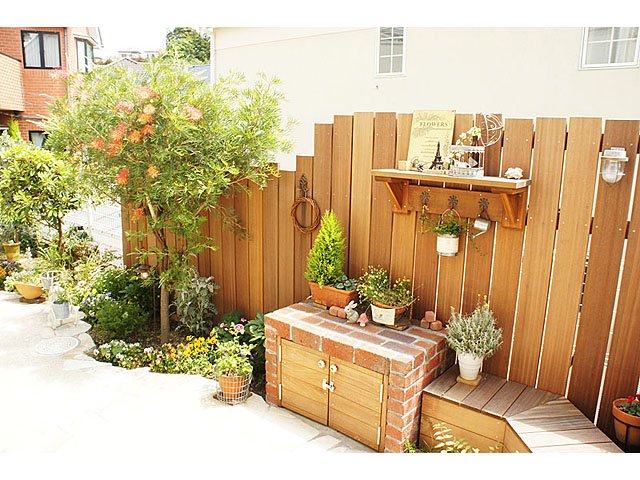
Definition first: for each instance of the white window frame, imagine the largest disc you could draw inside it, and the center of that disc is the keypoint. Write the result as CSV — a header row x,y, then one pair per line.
x,y
404,56
601,66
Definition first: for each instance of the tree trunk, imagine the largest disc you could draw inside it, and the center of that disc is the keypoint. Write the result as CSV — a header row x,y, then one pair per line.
x,y
164,314
60,238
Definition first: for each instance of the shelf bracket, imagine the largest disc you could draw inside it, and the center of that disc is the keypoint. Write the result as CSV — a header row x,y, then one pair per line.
x,y
515,209
399,192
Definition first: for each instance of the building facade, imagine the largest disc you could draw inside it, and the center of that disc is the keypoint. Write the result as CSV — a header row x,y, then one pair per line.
x,y
519,72
34,62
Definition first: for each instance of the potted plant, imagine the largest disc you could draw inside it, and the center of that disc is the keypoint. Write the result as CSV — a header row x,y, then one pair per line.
x,y
60,302
388,301
27,283
448,228
626,420
474,337
327,282
10,242
7,268
233,370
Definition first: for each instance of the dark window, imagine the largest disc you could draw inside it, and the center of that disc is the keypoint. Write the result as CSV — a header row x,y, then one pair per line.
x,y
85,55
38,137
41,49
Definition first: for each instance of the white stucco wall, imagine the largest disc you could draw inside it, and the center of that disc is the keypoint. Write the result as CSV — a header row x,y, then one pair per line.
x,y
523,72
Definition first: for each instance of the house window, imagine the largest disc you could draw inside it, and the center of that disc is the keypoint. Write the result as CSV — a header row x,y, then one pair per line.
x,y
85,55
38,137
391,45
41,49
610,47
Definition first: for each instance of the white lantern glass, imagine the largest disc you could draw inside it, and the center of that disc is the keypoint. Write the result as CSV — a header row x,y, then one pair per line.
x,y
613,163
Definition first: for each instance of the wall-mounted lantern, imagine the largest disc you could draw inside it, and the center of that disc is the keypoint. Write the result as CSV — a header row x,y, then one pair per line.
x,y
613,164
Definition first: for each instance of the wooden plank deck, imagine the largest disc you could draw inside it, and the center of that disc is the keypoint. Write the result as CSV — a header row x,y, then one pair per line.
x,y
544,421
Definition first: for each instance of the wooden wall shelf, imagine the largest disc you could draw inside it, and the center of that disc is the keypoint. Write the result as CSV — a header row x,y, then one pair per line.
x,y
505,199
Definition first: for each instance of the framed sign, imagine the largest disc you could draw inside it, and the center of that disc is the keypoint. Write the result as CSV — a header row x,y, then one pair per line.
x,y
431,136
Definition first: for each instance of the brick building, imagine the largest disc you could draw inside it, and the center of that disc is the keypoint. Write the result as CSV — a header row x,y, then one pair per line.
x,y
33,64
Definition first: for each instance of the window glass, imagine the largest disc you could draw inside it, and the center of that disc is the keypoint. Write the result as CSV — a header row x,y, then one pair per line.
x,y
41,49
37,138
31,42
51,50
391,50
610,46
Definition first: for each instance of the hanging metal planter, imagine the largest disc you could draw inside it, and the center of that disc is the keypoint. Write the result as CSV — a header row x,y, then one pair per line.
x,y
447,244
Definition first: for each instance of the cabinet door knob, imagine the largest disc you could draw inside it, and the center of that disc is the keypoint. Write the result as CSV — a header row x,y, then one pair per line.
x,y
333,368
321,364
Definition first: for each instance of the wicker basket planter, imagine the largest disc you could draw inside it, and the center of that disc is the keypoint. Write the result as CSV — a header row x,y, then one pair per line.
x,y
234,389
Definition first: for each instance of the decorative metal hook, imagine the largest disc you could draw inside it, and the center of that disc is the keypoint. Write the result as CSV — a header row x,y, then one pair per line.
x,y
303,186
453,202
483,203
425,199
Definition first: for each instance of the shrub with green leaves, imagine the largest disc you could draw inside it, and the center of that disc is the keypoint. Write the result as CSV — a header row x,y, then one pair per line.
x,y
194,304
233,359
121,319
447,224
375,286
475,334
326,257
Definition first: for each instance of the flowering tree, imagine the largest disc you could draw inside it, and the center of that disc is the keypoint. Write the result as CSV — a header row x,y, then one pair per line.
x,y
167,145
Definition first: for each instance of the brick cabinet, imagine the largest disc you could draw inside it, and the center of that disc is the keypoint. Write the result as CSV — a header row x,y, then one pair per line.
x,y
365,382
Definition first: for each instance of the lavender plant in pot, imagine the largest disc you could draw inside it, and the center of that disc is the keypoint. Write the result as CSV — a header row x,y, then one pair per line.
x,y
474,337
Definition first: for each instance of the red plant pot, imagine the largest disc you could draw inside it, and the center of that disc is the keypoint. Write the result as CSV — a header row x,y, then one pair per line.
x,y
329,296
627,426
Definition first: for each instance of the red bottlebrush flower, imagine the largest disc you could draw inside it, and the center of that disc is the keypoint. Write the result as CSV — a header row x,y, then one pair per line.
x,y
147,130
97,144
152,171
137,214
114,148
135,136
118,133
193,114
149,109
144,118
124,106
145,93
122,178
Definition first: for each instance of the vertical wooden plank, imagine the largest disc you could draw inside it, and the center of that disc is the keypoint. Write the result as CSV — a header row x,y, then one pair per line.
x,y
152,243
623,369
215,257
516,152
126,241
361,185
322,153
425,276
544,193
204,259
477,271
341,174
241,205
605,254
270,221
286,252
580,172
302,241
227,257
255,244
404,225
384,147
452,268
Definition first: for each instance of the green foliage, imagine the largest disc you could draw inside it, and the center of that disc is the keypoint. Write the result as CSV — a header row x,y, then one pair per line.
x,y
632,407
194,305
474,334
410,447
27,234
233,359
14,129
120,319
234,327
37,187
375,286
345,283
169,146
445,442
447,224
188,44
7,268
326,257
126,285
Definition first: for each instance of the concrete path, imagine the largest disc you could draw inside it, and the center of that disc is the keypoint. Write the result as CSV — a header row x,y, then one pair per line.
x,y
72,403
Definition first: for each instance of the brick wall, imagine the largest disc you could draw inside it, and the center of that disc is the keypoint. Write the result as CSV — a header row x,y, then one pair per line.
x,y
411,359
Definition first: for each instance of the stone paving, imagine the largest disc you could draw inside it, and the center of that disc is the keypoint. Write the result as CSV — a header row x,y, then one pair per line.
x,y
72,403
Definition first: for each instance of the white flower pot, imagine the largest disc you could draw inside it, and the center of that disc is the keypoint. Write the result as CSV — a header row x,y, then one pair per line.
x,y
447,245
469,366
60,310
385,316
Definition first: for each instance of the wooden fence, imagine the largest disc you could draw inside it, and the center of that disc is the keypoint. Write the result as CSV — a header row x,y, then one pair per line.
x,y
556,313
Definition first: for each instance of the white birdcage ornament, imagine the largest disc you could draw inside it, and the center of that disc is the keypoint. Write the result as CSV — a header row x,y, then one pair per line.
x,y
467,155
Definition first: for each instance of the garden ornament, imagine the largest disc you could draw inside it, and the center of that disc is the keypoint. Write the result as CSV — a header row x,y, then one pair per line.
x,y
350,309
514,173
363,319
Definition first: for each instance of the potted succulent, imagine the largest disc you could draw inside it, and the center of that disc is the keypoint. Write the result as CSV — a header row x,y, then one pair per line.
x,y
388,301
233,370
448,228
474,337
27,283
328,284
626,420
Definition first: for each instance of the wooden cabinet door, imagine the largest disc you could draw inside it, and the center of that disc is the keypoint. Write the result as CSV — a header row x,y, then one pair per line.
x,y
302,374
356,402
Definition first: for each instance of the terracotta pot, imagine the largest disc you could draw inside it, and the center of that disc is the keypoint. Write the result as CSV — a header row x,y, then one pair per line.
x,y
29,292
232,386
12,250
627,426
330,296
381,313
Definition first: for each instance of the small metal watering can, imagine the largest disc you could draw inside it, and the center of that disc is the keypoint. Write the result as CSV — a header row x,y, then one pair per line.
x,y
481,224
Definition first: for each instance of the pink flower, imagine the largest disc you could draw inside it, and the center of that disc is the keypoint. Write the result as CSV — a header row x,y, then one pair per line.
x,y
193,114
239,328
149,109
59,73
145,93
222,325
124,106
122,178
